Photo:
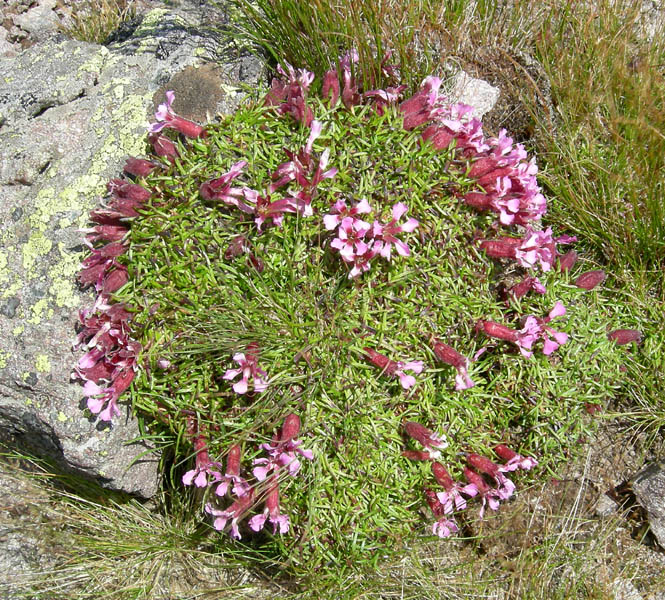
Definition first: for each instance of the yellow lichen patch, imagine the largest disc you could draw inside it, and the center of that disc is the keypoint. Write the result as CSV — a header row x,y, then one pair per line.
x,y
62,417
97,62
62,276
39,311
3,359
18,330
37,245
11,290
4,274
42,363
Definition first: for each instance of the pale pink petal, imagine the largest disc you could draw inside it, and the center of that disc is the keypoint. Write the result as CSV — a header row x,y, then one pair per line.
x,y
188,477
399,209
257,522
240,387
558,310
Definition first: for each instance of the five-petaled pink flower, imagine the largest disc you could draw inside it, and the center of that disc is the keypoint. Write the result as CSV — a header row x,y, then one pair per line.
x,y
239,486
385,235
396,368
513,460
431,441
248,368
167,118
452,499
282,451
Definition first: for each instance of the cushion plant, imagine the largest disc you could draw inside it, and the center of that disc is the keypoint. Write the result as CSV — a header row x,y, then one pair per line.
x,y
340,306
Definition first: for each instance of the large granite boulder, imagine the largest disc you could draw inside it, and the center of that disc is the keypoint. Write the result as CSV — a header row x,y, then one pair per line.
x,y
70,112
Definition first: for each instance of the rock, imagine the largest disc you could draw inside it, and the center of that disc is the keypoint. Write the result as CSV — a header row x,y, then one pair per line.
x,y
474,92
605,506
625,590
649,489
41,21
70,113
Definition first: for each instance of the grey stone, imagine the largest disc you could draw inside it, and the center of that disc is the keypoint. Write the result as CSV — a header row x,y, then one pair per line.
x,y
649,489
474,92
605,506
40,21
70,113
624,589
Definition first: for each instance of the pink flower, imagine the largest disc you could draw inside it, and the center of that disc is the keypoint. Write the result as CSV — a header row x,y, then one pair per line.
x,y
394,368
339,211
205,471
233,513
450,356
282,451
505,487
427,438
513,460
289,92
167,118
240,487
350,238
553,339
271,511
221,189
452,498
248,368
489,496
385,235
444,527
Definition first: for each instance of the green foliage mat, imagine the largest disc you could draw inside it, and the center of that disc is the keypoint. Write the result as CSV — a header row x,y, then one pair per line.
x,y
195,308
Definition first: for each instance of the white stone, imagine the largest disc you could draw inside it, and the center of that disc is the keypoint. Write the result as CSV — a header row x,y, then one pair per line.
x,y
474,92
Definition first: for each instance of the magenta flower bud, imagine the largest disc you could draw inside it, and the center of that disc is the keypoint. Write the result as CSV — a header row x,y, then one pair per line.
x,y
489,179
424,436
504,452
496,330
139,167
568,260
478,200
448,354
115,280
503,248
163,146
482,464
438,136
331,86
109,233
442,476
132,191
523,287
590,279
482,166
475,479
290,428
434,504
416,455
381,361
625,336
233,461
112,250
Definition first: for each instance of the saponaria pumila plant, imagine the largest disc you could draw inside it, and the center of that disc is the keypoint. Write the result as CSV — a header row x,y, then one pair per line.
x,y
355,229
